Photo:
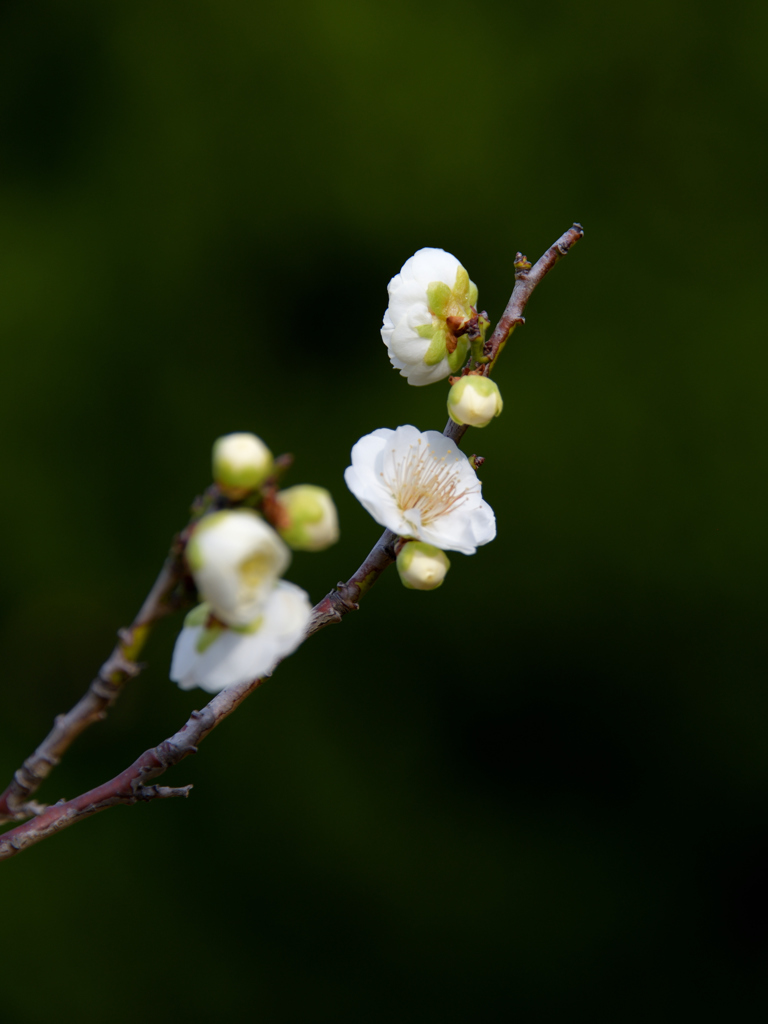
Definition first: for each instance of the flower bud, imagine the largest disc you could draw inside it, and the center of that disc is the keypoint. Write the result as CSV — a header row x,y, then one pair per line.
x,y
474,401
241,463
311,522
422,566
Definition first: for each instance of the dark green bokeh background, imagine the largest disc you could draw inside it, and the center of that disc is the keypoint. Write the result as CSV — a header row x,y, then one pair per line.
x,y
543,787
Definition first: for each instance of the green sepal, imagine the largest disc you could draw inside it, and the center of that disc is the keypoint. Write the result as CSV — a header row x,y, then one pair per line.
x,y
192,554
198,615
250,627
437,350
439,298
477,351
459,354
472,294
461,289
208,636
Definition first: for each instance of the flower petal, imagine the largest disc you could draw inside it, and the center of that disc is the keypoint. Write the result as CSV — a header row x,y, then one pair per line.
x,y
236,558
428,265
237,657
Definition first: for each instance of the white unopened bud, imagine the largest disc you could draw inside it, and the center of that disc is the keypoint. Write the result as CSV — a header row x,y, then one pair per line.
x,y
236,559
311,520
474,401
422,566
241,463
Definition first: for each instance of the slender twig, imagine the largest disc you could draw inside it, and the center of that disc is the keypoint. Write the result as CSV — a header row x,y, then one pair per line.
x,y
526,279
344,598
130,786
166,596
120,666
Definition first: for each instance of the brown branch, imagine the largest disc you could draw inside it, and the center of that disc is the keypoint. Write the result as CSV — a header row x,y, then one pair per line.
x,y
15,802
130,786
120,666
344,598
527,277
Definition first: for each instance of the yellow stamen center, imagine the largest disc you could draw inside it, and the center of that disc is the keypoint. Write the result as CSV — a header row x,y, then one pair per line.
x,y
428,482
253,572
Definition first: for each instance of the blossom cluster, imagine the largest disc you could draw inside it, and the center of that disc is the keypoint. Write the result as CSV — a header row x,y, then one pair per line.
x,y
428,326
249,617
419,485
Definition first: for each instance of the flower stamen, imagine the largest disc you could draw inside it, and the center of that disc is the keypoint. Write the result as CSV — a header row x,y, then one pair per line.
x,y
422,480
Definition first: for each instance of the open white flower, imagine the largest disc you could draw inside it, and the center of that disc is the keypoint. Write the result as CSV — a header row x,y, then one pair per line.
x,y
421,486
429,300
236,559
212,656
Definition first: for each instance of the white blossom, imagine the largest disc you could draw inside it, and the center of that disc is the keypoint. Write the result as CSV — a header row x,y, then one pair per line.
x,y
428,301
421,486
236,559
213,656
474,401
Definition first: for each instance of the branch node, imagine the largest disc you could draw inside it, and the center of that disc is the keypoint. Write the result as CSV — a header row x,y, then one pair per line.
x,y
161,792
31,809
343,591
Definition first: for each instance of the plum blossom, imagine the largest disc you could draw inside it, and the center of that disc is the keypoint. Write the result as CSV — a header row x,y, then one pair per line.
x,y
250,618
421,486
236,558
211,656
429,300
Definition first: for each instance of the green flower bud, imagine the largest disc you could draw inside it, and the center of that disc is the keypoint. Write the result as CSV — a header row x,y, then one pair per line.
x,y
310,521
241,463
474,401
422,566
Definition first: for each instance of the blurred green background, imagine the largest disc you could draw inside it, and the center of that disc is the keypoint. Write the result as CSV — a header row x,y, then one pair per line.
x,y
540,789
